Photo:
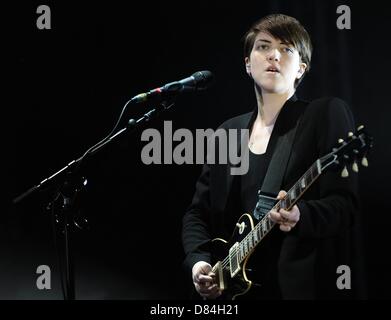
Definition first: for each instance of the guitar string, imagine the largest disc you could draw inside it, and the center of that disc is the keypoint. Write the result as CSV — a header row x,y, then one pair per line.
x,y
235,251
255,243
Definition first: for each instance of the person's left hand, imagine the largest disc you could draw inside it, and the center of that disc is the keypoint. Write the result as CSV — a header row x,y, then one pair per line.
x,y
286,219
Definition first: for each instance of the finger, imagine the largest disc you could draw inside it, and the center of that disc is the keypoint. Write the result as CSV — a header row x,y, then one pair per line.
x,y
204,278
285,228
202,291
281,194
207,290
205,284
291,216
215,292
285,215
275,216
205,271
211,293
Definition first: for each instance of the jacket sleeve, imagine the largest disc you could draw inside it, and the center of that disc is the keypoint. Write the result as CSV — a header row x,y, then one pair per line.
x,y
196,222
334,211
197,229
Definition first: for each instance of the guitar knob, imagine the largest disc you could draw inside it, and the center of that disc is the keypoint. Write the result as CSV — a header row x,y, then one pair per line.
x,y
340,141
360,128
364,162
355,166
345,173
350,134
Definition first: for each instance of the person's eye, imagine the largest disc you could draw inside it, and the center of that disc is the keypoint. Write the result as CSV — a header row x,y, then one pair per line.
x,y
288,50
263,47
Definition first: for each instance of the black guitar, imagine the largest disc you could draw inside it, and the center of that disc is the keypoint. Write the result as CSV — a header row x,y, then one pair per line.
x,y
232,256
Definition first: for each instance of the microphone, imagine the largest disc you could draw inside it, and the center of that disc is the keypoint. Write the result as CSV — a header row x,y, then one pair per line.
x,y
198,81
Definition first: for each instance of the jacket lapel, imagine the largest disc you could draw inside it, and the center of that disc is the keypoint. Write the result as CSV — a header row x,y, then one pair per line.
x,y
286,120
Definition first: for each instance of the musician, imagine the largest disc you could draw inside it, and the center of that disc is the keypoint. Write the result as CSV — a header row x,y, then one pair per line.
x,y
298,259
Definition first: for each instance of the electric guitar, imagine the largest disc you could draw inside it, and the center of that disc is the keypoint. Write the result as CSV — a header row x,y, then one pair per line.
x,y
232,256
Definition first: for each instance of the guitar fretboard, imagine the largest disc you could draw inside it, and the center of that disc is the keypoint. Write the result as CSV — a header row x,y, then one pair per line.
x,y
248,244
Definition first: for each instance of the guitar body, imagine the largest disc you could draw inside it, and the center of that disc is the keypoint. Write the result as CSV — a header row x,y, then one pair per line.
x,y
239,284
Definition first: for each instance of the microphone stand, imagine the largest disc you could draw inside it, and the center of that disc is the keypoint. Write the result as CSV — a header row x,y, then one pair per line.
x,y
69,183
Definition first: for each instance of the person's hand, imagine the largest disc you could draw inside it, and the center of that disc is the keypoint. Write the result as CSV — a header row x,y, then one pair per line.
x,y
286,219
203,279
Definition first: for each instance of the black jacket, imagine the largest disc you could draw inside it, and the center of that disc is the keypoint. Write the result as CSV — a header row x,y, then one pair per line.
x,y
323,238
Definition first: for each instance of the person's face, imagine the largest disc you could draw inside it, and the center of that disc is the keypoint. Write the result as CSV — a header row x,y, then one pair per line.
x,y
274,65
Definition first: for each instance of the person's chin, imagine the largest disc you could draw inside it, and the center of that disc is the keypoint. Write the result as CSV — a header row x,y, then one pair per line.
x,y
270,86
271,89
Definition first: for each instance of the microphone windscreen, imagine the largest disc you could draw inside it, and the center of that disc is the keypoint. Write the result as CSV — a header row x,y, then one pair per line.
x,y
203,79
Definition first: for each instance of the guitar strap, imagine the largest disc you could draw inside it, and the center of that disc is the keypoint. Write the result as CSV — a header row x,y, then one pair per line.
x,y
281,147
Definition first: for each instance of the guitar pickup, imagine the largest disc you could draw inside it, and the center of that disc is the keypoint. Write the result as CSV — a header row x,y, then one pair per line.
x,y
265,203
234,264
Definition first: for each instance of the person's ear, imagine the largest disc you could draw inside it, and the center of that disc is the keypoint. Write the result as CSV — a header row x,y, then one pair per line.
x,y
248,66
301,71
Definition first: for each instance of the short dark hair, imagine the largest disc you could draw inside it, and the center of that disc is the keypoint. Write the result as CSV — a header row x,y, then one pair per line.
x,y
286,29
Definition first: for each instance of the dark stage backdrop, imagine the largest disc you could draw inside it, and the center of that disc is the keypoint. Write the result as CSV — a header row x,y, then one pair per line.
x,y
68,85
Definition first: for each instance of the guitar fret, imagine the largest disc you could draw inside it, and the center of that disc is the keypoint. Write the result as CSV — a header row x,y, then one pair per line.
x,y
318,168
300,186
260,235
263,227
250,241
256,236
303,183
297,189
269,224
292,194
311,173
288,202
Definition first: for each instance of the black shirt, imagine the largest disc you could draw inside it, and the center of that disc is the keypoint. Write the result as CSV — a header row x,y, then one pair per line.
x,y
252,181
263,260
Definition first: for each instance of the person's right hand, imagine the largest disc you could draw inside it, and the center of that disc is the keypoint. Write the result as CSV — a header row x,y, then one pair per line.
x,y
203,279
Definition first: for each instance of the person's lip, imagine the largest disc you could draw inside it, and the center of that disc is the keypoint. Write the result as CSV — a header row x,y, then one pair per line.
x,y
273,69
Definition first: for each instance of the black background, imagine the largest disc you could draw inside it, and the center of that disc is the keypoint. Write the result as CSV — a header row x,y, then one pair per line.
x,y
67,86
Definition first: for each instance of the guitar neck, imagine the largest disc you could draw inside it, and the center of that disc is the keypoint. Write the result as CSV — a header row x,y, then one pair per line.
x,y
254,237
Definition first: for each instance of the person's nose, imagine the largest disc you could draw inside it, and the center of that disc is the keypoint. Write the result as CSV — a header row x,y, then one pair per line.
x,y
274,55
